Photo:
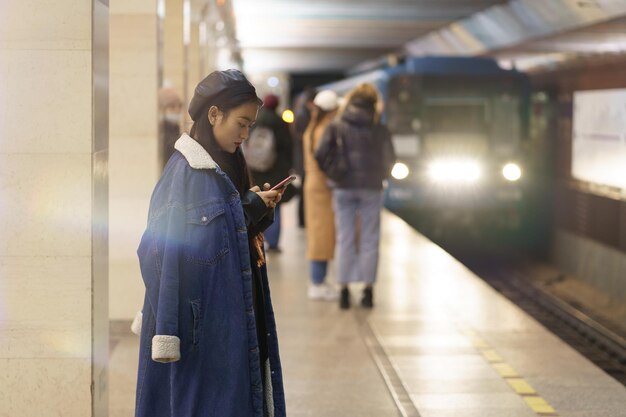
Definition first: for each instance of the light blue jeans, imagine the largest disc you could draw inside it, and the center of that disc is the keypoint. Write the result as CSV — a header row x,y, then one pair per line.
x,y
357,263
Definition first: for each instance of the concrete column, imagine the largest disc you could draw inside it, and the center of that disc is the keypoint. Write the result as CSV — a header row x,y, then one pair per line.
x,y
173,47
193,65
134,163
54,208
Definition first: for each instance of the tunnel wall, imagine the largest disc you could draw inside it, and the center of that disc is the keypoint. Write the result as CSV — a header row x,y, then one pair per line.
x,y
589,221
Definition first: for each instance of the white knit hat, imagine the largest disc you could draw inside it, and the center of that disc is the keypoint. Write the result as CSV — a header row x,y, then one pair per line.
x,y
326,100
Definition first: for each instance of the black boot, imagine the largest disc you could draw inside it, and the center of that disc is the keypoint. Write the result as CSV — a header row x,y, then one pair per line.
x,y
344,299
368,298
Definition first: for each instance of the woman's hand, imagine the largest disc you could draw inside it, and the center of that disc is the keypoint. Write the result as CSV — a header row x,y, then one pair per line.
x,y
270,198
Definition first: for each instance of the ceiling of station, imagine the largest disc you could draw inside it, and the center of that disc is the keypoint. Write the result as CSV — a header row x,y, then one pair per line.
x,y
307,36
602,41
317,36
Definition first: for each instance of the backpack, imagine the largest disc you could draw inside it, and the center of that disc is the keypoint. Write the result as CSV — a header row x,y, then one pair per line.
x,y
332,157
260,149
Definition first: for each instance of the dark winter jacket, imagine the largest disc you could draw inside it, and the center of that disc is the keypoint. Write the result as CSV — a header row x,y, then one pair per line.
x,y
199,350
367,144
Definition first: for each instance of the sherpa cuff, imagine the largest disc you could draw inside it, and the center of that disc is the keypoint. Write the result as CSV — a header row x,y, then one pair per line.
x,y
135,326
165,348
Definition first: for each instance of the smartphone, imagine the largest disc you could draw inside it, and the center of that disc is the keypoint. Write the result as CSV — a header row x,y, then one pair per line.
x,y
284,183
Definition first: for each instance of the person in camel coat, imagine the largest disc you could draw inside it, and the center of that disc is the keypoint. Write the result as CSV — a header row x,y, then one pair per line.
x,y
318,204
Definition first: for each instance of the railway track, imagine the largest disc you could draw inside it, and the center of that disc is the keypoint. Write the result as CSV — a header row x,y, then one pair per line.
x,y
595,341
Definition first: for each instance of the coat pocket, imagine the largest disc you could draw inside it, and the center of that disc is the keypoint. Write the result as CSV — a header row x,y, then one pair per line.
x,y
195,328
206,240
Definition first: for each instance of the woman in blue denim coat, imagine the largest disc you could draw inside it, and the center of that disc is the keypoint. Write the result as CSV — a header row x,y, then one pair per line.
x,y
208,336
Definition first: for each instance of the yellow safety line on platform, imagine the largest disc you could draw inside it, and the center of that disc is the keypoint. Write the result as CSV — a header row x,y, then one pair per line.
x,y
510,375
539,405
521,386
505,370
491,355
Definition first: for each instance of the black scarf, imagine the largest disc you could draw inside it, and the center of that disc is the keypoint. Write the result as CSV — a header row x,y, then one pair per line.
x,y
234,165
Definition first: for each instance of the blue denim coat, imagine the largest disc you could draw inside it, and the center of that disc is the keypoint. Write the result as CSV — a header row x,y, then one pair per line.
x,y
199,354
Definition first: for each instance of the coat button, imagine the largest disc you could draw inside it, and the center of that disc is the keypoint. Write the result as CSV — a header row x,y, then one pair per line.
x,y
204,218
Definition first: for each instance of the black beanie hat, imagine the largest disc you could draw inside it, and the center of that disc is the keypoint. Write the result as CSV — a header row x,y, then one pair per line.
x,y
215,84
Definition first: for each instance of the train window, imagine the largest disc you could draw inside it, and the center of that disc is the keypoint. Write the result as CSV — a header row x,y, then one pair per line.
x,y
506,126
402,110
455,115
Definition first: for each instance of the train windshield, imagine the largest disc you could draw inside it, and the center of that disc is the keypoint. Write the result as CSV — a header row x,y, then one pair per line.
x,y
456,115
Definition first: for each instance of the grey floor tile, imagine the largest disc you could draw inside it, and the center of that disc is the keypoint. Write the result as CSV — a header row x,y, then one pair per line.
x,y
424,299
477,413
420,385
469,401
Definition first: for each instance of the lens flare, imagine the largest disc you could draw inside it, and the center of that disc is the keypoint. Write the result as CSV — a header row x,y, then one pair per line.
x,y
400,171
512,172
454,171
288,116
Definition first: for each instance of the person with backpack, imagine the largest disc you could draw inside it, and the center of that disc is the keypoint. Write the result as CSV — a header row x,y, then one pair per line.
x,y
269,155
357,154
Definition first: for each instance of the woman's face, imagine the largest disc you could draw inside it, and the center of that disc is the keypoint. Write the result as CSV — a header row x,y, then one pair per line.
x,y
231,129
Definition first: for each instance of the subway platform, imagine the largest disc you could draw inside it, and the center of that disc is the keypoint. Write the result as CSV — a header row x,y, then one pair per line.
x,y
439,343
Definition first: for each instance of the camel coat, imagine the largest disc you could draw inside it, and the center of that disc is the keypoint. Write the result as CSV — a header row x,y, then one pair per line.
x,y
318,200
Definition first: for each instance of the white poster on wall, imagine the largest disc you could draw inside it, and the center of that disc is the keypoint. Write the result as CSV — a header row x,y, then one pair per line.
x,y
599,142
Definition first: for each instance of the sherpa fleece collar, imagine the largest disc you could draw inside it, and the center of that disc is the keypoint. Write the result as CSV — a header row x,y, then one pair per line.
x,y
194,153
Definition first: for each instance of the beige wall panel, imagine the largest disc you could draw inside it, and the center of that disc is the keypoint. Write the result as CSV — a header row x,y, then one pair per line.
x,y
134,167
133,147
43,320
46,209
133,84
126,288
173,60
126,234
45,387
194,60
53,217
133,108
133,44
40,110
147,7
43,24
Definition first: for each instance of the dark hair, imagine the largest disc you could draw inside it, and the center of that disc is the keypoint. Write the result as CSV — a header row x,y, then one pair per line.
x,y
234,165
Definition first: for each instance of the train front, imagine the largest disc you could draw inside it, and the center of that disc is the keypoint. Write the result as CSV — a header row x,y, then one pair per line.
x,y
458,141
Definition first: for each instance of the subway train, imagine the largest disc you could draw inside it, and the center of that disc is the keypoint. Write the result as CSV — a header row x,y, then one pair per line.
x,y
458,127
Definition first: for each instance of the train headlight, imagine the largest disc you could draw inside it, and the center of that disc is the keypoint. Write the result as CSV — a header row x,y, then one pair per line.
x,y
400,171
454,171
511,172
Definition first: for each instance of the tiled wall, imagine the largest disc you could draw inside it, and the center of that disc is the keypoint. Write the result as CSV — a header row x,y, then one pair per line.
x,y
133,161
53,215
590,221
173,52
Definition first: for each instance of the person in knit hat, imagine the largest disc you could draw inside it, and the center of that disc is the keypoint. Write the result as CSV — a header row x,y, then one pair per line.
x,y
318,200
270,102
